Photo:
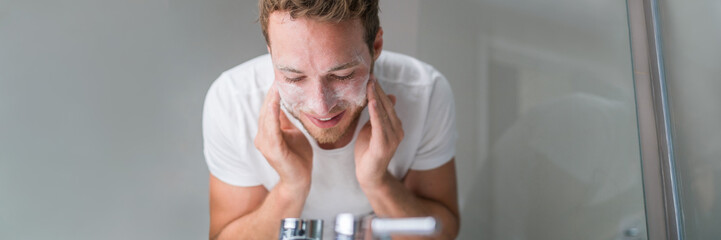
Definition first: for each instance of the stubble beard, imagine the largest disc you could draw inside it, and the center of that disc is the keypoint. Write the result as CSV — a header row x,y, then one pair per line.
x,y
335,133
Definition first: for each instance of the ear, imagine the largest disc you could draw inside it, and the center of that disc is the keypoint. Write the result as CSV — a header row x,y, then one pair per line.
x,y
378,44
268,47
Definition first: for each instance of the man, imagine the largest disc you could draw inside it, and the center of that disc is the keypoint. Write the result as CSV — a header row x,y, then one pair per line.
x,y
308,130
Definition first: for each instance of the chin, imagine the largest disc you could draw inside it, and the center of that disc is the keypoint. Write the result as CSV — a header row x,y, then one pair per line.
x,y
335,133
329,136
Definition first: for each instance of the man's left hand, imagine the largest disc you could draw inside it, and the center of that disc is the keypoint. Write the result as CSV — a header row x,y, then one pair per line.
x,y
378,140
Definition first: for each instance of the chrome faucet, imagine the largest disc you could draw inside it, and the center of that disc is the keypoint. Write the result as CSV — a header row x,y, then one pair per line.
x,y
350,227
301,229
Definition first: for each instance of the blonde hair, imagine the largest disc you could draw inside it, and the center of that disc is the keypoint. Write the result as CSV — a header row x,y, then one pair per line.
x,y
325,10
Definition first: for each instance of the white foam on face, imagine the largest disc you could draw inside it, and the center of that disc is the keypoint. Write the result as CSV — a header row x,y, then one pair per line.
x,y
291,95
355,94
337,95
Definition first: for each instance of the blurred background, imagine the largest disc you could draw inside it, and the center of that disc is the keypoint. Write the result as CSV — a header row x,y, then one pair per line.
x,y
101,101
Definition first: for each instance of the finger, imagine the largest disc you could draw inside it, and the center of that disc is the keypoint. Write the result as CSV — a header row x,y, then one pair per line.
x,y
274,99
269,97
384,128
394,118
394,127
385,100
370,90
374,112
285,123
264,108
381,94
376,95
392,98
387,107
272,120
377,134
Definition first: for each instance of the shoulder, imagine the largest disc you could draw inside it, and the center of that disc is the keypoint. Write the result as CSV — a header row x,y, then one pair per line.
x,y
396,68
408,77
242,84
250,77
235,97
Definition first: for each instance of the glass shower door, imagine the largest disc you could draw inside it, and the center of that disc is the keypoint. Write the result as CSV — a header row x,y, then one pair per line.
x,y
692,56
549,86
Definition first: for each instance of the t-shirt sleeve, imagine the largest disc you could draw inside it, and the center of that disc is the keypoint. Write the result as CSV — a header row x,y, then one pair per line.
x,y
221,147
438,144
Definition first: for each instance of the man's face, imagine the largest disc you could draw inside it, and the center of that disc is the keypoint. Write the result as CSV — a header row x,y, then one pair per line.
x,y
321,70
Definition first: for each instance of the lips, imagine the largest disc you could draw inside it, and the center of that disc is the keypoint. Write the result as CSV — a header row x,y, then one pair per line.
x,y
326,121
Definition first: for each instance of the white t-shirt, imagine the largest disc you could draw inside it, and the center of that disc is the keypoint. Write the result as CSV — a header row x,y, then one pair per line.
x,y
230,122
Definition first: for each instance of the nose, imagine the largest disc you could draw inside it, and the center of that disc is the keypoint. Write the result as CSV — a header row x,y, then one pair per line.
x,y
323,99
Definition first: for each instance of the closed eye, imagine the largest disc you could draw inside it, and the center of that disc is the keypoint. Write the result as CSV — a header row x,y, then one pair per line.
x,y
346,77
292,80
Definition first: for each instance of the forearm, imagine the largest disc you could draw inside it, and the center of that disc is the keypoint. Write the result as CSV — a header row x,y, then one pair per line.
x,y
282,201
390,198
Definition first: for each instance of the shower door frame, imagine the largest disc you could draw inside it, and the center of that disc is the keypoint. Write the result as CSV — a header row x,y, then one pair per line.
x,y
663,208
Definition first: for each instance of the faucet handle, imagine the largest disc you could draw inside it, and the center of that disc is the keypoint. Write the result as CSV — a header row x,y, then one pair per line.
x,y
347,227
418,226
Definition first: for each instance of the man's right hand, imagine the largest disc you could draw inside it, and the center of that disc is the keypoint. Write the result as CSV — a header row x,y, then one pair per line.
x,y
284,146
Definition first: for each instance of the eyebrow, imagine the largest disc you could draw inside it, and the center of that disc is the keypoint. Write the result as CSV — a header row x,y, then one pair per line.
x,y
288,69
344,66
333,69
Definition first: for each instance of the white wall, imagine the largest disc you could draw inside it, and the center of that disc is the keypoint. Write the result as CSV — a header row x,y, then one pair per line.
x,y
100,110
100,105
